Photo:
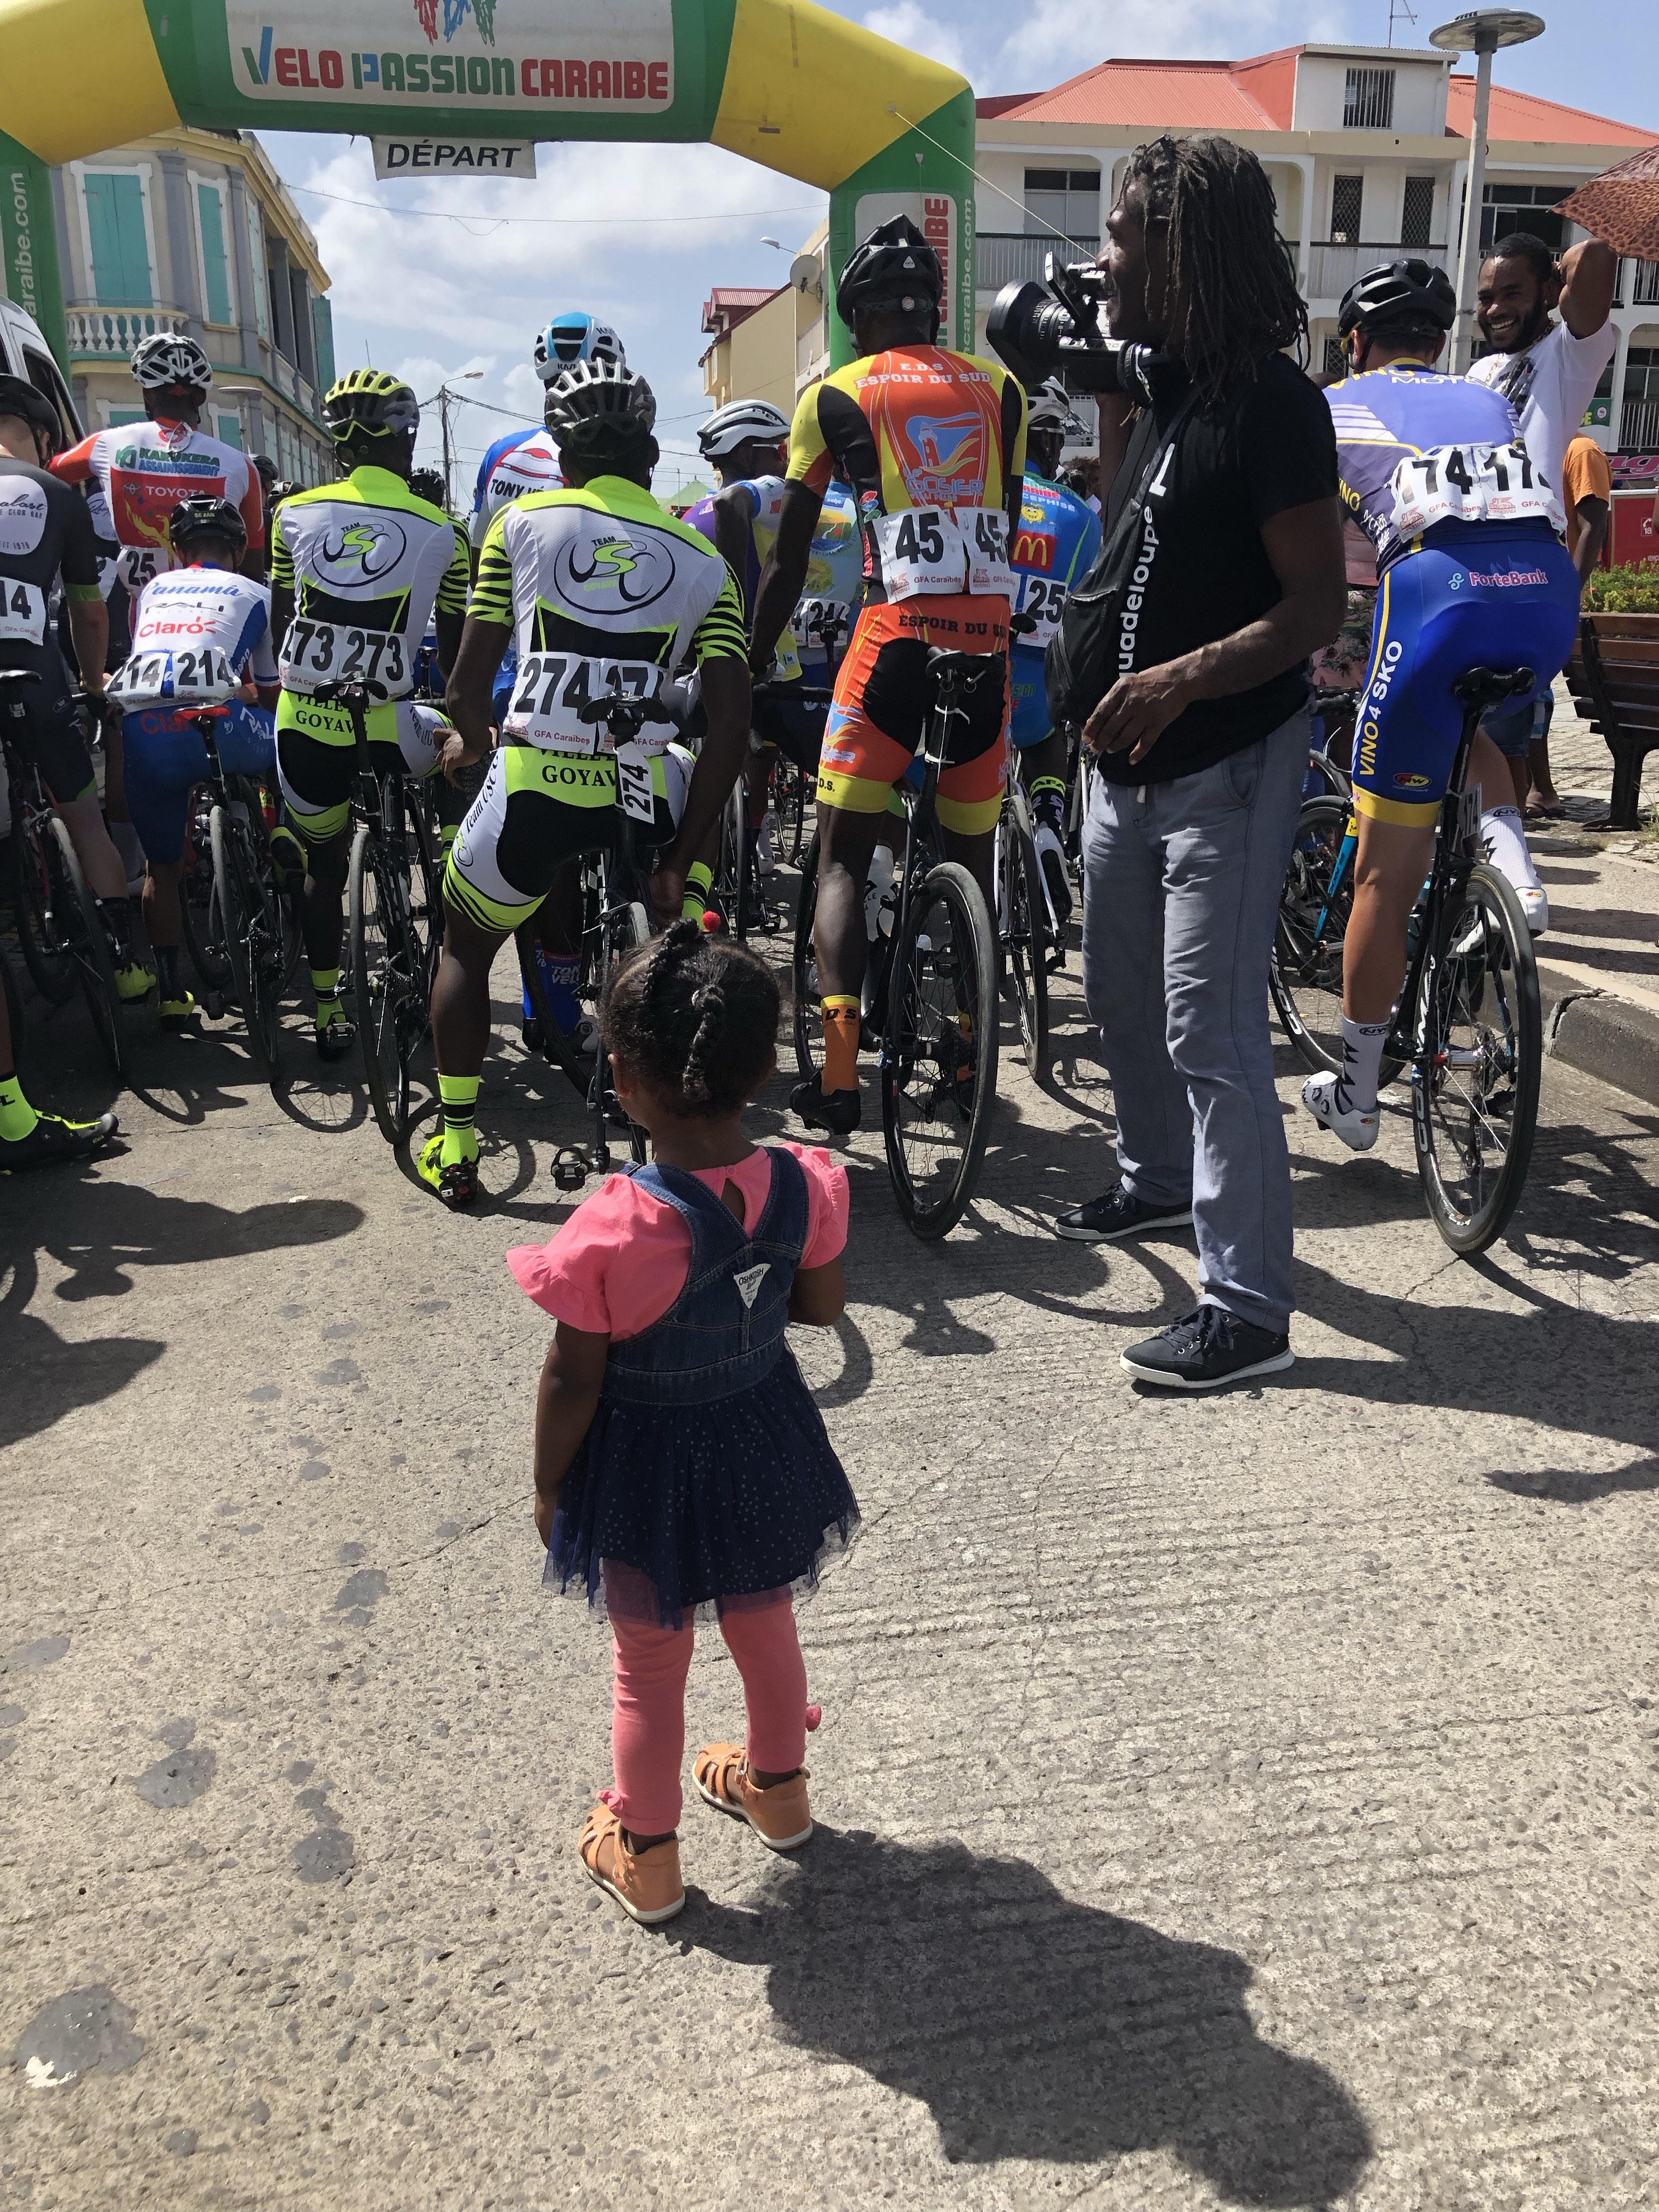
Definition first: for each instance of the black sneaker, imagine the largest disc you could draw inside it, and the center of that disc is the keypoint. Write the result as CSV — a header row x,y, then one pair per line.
x,y
1115,1214
53,1139
838,1113
1204,1350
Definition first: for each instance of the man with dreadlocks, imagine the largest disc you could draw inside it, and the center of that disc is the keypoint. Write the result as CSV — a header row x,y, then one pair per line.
x,y
1224,567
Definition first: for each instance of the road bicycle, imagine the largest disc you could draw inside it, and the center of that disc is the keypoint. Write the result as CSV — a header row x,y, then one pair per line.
x,y
930,987
1023,924
615,918
738,892
60,932
1467,1026
394,915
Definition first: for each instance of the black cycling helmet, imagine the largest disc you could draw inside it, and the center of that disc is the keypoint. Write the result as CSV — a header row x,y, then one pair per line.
x,y
597,408
894,267
1410,291
204,516
19,397
372,403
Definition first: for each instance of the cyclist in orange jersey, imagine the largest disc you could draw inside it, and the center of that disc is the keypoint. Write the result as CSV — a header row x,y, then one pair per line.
x,y
933,443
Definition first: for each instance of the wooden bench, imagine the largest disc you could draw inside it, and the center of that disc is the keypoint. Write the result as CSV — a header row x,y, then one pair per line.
x,y
1613,676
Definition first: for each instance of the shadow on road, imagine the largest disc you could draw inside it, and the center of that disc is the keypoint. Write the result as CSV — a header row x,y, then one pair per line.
x,y
1034,2028
46,1376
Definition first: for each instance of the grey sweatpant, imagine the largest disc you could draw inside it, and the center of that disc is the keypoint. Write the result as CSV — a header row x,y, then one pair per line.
x,y
1182,881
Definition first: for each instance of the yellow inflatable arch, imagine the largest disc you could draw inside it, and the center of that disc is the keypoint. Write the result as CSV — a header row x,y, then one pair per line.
x,y
783,82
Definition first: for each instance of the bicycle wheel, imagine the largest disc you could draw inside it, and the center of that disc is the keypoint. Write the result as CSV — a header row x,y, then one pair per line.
x,y
558,1046
1305,970
394,988
39,938
81,931
13,1012
1479,1031
624,928
728,886
202,925
1023,922
939,1060
253,940
806,965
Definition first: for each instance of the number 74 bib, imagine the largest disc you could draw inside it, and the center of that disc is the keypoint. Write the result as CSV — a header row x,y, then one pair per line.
x,y
1471,483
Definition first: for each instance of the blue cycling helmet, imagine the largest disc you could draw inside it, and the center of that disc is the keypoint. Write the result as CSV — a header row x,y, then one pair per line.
x,y
575,336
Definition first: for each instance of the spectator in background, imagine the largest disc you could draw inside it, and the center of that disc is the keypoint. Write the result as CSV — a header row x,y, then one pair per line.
x,y
1587,496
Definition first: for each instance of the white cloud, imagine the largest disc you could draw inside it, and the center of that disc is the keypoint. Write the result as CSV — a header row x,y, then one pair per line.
x,y
910,26
1068,36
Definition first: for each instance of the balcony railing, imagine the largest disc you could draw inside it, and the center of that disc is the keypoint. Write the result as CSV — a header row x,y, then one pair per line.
x,y
1333,265
110,333
1643,282
1638,427
1004,257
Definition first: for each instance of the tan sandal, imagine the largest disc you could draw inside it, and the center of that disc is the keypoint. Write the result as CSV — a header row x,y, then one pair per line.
x,y
646,1884
779,1815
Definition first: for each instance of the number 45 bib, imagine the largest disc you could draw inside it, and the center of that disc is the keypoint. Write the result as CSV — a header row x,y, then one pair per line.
x,y
1471,483
943,549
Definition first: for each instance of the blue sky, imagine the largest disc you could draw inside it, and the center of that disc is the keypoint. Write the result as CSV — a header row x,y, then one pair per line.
x,y
463,285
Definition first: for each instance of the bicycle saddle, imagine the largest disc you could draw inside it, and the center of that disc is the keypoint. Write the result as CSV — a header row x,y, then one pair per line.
x,y
1486,686
20,676
626,717
961,670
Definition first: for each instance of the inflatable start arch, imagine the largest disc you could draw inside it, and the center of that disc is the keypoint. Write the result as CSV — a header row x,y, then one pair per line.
x,y
783,82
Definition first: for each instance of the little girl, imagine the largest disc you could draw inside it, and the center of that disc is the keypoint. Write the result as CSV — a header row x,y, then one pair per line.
x,y
680,1461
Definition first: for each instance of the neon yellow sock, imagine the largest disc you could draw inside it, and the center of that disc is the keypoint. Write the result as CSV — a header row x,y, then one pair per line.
x,y
17,1116
460,1095
699,881
326,982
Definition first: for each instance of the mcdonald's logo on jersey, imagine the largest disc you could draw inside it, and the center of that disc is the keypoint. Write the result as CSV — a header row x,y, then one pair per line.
x,y
1034,549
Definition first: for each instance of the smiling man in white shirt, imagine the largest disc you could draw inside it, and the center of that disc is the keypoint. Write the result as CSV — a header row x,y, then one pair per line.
x,y
1548,371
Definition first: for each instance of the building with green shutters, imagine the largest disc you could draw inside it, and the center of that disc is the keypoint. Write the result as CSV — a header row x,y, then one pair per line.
x,y
194,230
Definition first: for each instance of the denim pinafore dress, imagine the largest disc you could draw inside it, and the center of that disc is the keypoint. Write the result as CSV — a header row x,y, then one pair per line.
x,y
707,1477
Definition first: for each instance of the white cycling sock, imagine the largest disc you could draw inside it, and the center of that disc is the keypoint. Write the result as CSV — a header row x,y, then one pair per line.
x,y
1506,847
1362,1058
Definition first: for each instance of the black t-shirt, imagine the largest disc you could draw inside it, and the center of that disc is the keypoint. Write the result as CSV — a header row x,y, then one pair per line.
x,y
44,531
1268,444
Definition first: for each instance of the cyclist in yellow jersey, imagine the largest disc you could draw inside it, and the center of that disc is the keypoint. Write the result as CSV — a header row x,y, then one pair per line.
x,y
933,443
603,591
357,568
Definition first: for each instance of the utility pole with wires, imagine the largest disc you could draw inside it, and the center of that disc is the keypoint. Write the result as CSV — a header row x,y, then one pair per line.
x,y
447,400
1400,11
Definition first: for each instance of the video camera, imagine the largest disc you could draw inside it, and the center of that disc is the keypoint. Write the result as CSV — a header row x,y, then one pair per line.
x,y
1038,329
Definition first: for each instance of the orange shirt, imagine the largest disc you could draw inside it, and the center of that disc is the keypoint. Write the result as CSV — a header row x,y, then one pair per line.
x,y
1584,475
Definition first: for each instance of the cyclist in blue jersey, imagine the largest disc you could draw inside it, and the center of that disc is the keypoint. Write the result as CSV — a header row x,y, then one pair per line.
x,y
1471,573
1054,549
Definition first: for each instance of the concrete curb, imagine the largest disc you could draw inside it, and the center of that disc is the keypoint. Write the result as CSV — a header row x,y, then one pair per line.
x,y
1599,1034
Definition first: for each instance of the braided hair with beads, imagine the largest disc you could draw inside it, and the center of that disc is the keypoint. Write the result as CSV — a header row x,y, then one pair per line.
x,y
695,1018
1232,275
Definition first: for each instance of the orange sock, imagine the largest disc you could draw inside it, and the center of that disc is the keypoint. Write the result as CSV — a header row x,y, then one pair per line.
x,y
841,1044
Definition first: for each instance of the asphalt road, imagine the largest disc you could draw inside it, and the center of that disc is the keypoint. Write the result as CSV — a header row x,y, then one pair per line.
x,y
1245,1801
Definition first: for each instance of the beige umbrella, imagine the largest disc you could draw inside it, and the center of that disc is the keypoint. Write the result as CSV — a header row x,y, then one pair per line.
x,y
1621,206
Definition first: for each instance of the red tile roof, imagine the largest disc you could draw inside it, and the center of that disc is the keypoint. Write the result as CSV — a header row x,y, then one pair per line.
x,y
1524,116
1256,95
728,305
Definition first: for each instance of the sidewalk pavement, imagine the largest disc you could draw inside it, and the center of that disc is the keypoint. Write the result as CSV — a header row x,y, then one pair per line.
x,y
1598,965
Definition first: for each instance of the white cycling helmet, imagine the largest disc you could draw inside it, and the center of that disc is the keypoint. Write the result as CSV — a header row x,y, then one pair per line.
x,y
738,424
1050,407
168,357
575,336
595,403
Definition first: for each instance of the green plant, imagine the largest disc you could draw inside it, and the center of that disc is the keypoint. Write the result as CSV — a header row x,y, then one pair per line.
x,y
1632,589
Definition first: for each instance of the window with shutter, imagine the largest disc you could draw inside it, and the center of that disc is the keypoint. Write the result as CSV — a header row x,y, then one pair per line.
x,y
121,248
322,318
215,273
256,248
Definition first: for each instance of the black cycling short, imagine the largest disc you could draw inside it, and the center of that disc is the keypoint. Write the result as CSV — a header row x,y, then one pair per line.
x,y
49,737
796,729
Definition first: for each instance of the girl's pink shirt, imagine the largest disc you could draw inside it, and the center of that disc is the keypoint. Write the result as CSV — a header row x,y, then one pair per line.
x,y
621,1261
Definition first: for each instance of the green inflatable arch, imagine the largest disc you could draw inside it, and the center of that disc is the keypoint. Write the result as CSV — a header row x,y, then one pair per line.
x,y
783,82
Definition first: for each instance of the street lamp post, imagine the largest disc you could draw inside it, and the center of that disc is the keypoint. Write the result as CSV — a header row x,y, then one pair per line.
x,y
1480,34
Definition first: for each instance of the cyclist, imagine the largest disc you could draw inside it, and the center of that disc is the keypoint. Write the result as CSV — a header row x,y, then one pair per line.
x,y
46,533
527,459
604,592
144,469
1054,548
1471,573
29,1138
358,568
196,629
934,446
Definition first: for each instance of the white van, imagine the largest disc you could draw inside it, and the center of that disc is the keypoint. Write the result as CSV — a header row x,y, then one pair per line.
x,y
24,352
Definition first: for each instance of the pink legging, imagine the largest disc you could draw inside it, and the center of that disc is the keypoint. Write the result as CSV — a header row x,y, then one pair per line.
x,y
647,1723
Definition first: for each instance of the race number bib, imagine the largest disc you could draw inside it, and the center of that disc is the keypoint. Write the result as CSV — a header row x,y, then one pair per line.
x,y
318,653
1471,483
192,678
634,784
553,688
1043,598
136,565
22,613
941,549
